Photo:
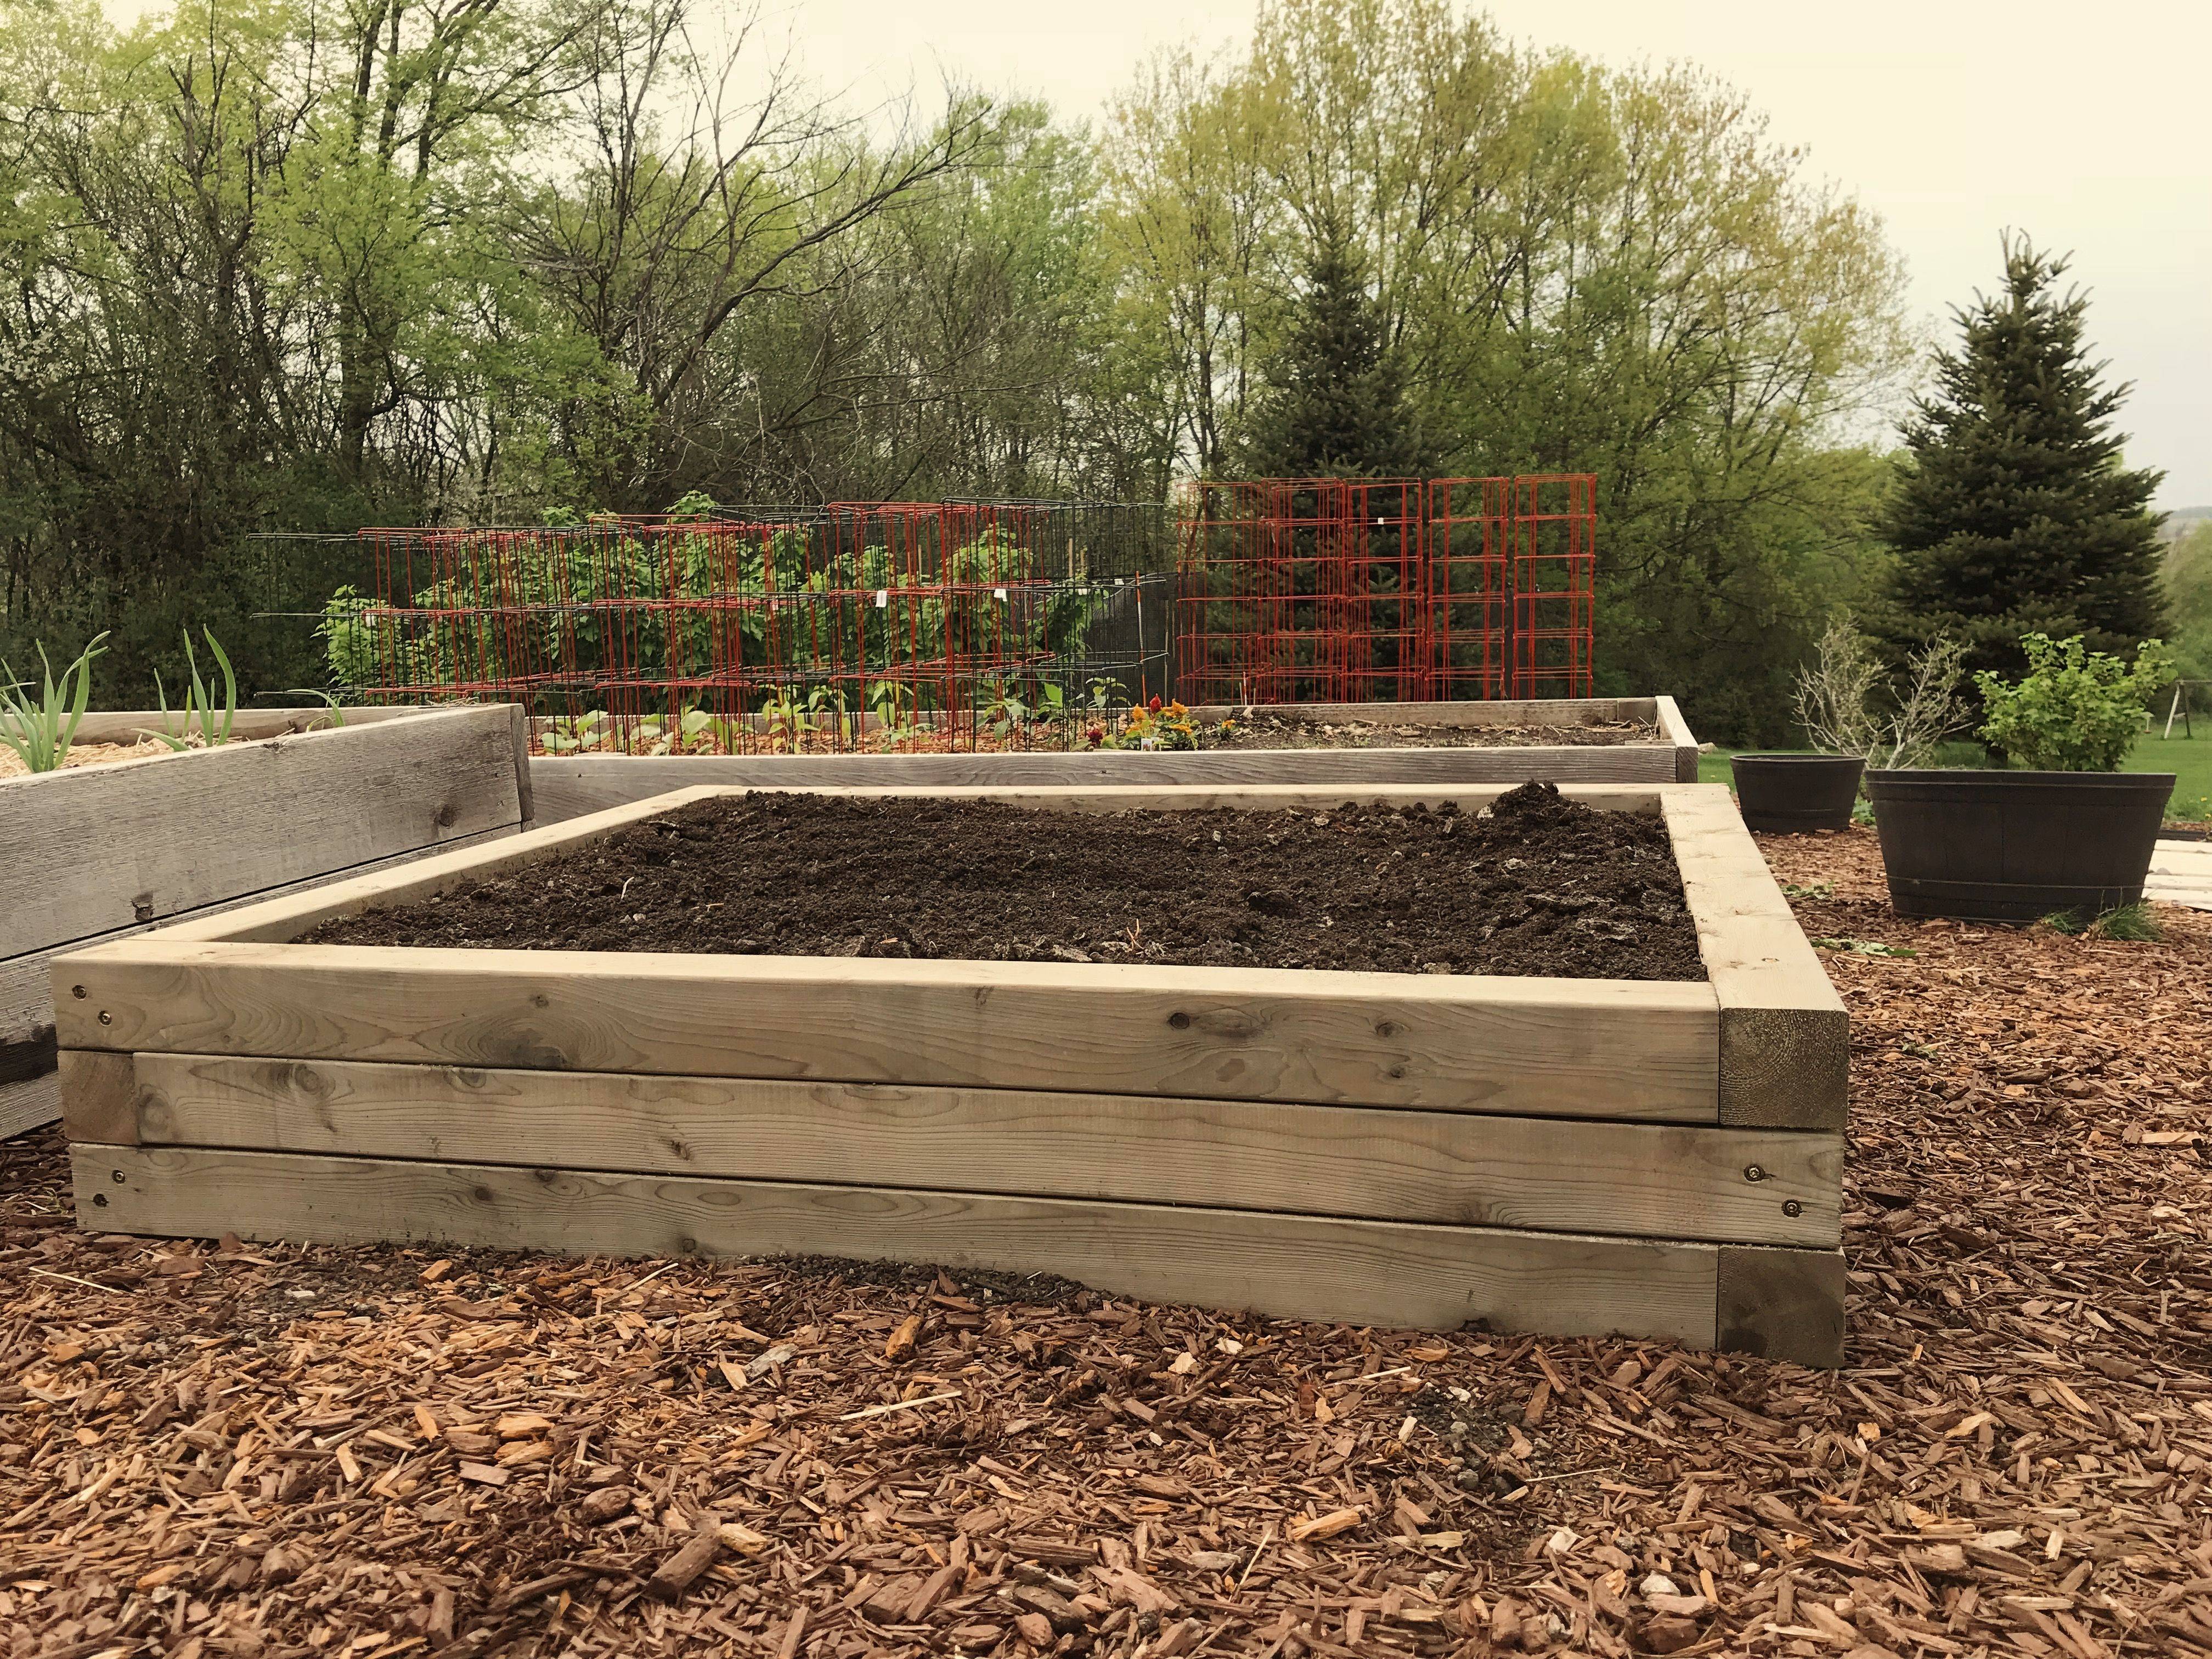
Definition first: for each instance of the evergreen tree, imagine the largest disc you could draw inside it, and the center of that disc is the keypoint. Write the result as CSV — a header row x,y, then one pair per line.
x,y
1336,403
2014,514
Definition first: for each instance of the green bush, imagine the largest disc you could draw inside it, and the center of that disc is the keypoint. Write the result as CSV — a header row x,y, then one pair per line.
x,y
2077,710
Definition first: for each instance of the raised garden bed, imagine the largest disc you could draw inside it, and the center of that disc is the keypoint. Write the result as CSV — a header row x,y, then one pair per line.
x,y
1586,740
1660,1157
102,851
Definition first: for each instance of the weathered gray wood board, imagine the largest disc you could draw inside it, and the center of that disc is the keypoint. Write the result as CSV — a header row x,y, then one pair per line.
x,y
1601,1048
1387,1273
128,845
1538,1174
146,840
1198,1127
572,786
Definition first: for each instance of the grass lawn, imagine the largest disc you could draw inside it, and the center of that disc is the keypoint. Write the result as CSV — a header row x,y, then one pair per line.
x,y
2189,759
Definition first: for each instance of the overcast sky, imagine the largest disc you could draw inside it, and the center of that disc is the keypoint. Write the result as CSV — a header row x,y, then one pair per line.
x,y
2086,126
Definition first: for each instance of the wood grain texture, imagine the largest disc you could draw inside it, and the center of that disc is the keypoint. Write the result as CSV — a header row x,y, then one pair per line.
x,y
146,840
1785,1035
1584,1048
574,786
1384,1274
130,725
98,1096
1783,1304
28,1104
1538,1174
1675,730
26,996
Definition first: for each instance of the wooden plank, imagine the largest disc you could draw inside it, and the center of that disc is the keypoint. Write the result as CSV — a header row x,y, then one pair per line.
x,y
1641,1051
577,785
1676,731
27,1095
130,725
98,1096
446,874
1392,1275
1538,1174
1784,1304
28,1104
154,838
1458,712
1784,1036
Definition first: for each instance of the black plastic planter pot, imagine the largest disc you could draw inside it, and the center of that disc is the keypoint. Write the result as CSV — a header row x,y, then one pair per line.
x,y
2016,846
1796,791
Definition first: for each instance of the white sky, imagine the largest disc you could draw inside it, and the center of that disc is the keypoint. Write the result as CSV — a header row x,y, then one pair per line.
x,y
2086,126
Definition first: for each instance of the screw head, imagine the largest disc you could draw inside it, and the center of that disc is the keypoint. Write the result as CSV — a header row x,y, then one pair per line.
x,y
1790,1206
77,991
1753,1172
106,1018
115,1176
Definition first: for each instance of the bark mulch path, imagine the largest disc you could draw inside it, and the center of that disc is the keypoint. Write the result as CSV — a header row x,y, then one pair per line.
x,y
1538,885
1259,728
371,1452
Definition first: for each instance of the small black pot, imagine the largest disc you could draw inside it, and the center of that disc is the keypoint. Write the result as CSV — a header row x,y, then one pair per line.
x,y
2016,846
1796,791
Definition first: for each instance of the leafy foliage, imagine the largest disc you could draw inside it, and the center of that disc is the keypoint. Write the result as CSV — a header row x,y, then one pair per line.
x,y
2076,710
2016,516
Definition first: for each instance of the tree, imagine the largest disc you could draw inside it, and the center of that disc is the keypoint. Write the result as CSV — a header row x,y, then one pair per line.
x,y
2015,515
1335,401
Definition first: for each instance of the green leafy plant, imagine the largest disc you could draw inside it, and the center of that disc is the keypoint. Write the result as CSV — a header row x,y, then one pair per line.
x,y
2075,710
2131,924
199,709
39,732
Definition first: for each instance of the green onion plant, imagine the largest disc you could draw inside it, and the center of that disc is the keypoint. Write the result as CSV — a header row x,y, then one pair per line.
x,y
199,708
39,732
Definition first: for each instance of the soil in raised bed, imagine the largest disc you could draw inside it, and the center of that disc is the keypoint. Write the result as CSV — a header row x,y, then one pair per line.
x,y
1258,728
1540,885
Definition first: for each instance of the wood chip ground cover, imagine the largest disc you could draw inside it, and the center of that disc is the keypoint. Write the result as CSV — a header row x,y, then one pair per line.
x,y
272,1450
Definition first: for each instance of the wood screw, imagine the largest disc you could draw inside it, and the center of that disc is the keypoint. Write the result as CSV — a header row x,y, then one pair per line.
x,y
1753,1172
1790,1206
106,1018
76,991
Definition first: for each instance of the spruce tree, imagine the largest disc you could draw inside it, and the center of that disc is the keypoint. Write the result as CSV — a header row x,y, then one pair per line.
x,y
2014,514
1335,404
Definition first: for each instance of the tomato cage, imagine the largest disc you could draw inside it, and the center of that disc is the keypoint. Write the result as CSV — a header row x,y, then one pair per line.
x,y
1368,590
876,626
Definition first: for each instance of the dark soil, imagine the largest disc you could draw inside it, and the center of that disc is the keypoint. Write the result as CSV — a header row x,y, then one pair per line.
x,y
1539,885
1260,729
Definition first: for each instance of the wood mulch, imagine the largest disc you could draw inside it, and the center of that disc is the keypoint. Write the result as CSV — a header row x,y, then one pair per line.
x,y
270,1450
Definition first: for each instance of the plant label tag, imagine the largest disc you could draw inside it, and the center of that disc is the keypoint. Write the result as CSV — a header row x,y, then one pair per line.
x,y
999,593
883,598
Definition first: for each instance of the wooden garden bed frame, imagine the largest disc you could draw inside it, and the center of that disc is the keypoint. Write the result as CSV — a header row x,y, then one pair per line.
x,y
102,852
572,786
1569,1156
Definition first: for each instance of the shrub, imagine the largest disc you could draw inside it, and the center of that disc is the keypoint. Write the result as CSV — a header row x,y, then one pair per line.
x,y
2076,710
1840,692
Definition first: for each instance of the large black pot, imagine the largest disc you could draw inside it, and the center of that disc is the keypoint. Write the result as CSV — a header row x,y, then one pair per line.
x,y
1796,791
2016,846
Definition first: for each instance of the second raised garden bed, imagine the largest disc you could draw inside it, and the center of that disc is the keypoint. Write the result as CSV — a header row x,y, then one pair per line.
x,y
98,852
1658,1157
1403,743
